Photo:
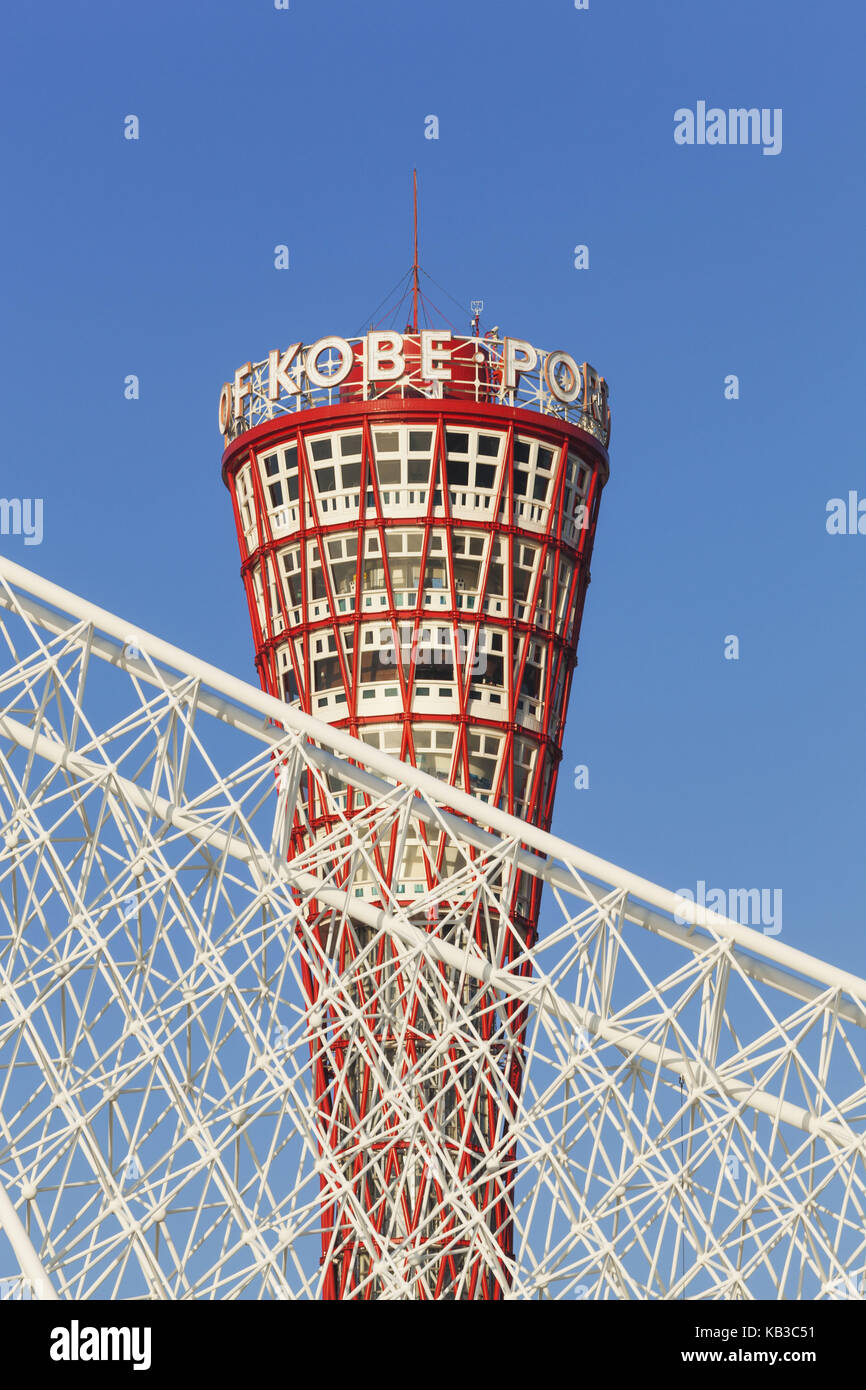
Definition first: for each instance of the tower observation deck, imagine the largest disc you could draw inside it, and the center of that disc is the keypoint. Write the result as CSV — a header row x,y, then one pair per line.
x,y
416,516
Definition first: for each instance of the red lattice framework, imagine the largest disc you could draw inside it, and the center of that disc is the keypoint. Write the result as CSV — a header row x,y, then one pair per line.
x,y
466,1104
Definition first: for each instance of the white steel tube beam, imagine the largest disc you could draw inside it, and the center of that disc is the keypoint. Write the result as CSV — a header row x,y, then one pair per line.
x,y
25,1252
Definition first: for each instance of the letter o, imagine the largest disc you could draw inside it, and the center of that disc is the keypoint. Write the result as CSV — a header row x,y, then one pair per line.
x,y
317,378
225,410
566,394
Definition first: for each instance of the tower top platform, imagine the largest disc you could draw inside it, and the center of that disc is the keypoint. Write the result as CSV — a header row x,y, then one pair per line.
x,y
432,364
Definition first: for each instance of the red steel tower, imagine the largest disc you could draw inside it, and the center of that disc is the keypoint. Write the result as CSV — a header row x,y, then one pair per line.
x,y
416,515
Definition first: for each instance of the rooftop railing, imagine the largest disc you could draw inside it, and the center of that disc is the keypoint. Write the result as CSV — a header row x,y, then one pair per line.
x,y
479,374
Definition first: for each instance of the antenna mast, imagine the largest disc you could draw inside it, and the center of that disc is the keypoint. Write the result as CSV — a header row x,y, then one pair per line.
x,y
415,253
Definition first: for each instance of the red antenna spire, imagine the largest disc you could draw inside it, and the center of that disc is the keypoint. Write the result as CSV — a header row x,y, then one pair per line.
x,y
415,253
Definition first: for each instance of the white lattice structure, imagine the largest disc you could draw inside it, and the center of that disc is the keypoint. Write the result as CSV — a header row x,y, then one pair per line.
x,y
691,1116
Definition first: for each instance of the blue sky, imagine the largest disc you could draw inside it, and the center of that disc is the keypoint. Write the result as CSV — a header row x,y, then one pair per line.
x,y
260,127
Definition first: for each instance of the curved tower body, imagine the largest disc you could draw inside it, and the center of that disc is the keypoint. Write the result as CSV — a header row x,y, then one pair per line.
x,y
416,515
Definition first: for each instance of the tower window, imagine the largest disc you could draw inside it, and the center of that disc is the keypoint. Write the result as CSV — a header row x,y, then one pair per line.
x,y
539,489
389,471
388,443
